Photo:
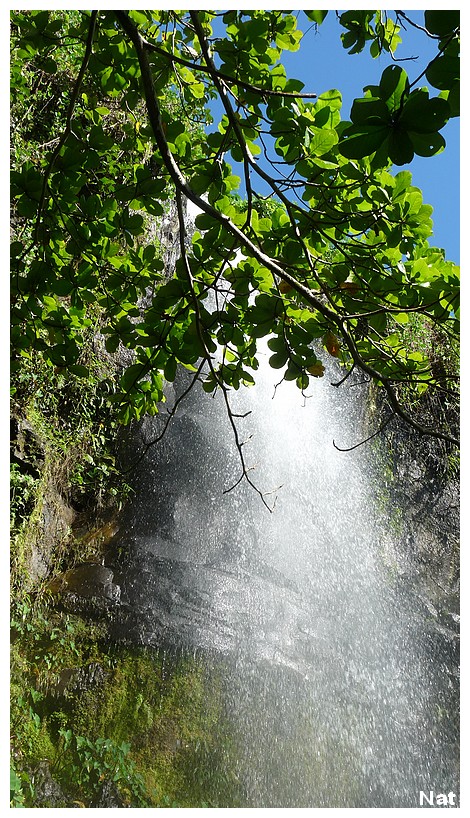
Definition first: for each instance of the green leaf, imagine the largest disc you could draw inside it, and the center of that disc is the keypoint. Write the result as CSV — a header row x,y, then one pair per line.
x,y
289,41
15,782
400,148
316,16
394,86
453,99
204,221
424,115
131,376
277,343
441,23
401,317
444,72
427,144
279,359
62,286
375,49
303,381
370,111
323,141
359,30
49,66
134,224
353,40
27,207
331,99
362,140
16,248
80,371
402,183
112,343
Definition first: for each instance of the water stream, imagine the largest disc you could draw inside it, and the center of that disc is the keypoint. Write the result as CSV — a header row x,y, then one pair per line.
x,y
336,694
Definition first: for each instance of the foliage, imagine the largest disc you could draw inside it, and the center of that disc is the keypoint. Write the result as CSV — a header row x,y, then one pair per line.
x,y
169,711
151,724
16,788
73,428
85,764
335,264
43,643
22,487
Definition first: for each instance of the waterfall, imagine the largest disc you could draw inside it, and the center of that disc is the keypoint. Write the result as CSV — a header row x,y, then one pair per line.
x,y
335,697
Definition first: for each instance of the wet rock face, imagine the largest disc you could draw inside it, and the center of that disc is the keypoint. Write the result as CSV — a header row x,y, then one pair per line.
x,y
56,516
26,448
87,580
47,792
109,797
87,589
78,680
428,501
422,492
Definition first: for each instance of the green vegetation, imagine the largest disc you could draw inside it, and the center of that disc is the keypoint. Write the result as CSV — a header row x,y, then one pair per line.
x,y
306,234
63,442
144,726
343,257
150,724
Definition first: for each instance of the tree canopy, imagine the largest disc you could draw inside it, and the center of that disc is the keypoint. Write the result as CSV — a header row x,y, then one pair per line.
x,y
309,234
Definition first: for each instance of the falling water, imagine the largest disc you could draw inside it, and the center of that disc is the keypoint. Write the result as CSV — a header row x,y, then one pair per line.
x,y
334,696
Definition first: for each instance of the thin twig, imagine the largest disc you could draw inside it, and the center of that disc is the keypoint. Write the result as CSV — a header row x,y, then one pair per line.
x,y
416,25
366,440
171,414
304,291
348,374
171,57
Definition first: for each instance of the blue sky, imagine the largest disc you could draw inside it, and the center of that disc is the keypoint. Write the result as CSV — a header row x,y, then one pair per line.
x,y
322,63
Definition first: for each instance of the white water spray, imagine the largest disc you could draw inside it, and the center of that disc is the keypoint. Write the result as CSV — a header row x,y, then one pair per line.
x,y
331,696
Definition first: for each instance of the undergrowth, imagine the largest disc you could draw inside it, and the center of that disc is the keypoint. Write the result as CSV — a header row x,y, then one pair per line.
x,y
142,732
149,725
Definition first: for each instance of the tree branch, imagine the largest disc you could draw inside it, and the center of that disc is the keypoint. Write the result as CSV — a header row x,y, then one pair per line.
x,y
182,187
68,121
247,86
207,357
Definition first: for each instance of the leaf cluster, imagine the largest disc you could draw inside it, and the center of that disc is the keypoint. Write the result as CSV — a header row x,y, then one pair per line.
x,y
328,255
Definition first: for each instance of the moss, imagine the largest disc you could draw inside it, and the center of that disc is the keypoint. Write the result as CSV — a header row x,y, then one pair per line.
x,y
165,710
166,713
32,739
63,466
